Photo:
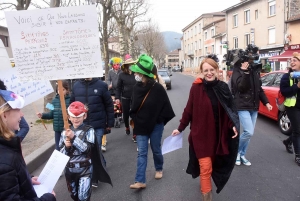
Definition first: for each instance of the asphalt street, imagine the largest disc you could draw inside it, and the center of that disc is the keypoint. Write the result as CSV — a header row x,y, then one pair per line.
x,y
273,176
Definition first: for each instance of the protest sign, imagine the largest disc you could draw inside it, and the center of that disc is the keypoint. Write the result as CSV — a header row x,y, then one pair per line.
x,y
31,91
55,43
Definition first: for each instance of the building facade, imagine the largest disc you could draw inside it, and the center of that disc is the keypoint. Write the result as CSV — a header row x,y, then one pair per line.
x,y
172,59
4,36
194,37
259,22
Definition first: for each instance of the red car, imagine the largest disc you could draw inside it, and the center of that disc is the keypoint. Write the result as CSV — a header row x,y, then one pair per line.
x,y
270,84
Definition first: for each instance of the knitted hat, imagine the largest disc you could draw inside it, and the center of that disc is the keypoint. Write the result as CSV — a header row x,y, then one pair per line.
x,y
77,109
143,66
13,100
296,55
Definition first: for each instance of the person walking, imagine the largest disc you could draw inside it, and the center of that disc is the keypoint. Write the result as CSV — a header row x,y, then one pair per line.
x,y
23,126
247,93
214,129
150,111
290,88
56,113
16,183
94,93
124,90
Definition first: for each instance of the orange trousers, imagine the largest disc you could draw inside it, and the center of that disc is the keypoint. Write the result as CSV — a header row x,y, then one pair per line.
x,y
205,174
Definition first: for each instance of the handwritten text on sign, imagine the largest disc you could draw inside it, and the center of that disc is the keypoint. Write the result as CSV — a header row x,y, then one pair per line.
x,y
31,91
55,43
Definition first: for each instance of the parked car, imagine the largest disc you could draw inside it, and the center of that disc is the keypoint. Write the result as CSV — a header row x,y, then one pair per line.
x,y
271,84
176,69
165,76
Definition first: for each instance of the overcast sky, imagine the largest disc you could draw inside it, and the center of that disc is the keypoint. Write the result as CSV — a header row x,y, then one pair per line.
x,y
174,15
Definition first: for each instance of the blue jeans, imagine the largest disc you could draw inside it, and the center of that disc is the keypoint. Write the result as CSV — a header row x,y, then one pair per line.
x,y
248,120
99,134
57,135
155,143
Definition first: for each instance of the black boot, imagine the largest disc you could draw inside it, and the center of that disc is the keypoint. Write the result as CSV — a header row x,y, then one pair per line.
x,y
297,159
288,145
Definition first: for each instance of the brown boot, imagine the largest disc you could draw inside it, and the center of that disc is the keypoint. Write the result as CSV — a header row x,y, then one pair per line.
x,y
158,174
207,196
138,185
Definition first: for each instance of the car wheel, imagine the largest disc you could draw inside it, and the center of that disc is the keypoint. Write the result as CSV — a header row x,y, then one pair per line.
x,y
284,123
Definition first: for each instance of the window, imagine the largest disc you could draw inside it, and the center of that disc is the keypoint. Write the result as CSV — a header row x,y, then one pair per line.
x,y
277,80
200,44
256,14
112,47
272,38
235,43
196,45
205,50
272,7
267,79
191,32
200,28
205,35
247,16
247,39
212,32
212,49
192,47
235,20
195,30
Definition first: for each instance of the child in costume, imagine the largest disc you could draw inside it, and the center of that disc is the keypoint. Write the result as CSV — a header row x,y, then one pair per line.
x,y
80,144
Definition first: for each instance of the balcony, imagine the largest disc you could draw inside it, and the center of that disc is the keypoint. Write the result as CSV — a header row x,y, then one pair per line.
x,y
190,53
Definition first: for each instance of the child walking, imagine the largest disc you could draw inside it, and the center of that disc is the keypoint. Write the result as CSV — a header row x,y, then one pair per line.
x,y
56,114
80,144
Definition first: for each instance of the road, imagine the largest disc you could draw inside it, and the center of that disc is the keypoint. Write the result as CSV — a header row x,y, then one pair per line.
x,y
273,176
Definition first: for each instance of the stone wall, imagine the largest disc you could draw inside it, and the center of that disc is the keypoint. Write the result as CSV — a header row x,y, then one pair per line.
x,y
294,8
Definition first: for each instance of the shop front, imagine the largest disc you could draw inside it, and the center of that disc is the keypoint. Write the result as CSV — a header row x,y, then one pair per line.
x,y
284,58
265,56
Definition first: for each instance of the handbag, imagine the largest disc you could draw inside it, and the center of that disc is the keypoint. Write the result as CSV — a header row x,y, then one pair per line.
x,y
131,122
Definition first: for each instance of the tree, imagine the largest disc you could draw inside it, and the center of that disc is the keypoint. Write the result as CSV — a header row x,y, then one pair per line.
x,y
127,14
19,5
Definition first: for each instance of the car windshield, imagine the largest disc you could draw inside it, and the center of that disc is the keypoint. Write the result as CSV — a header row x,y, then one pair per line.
x,y
163,73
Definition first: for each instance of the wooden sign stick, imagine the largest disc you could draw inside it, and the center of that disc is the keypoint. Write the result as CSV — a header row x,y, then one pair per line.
x,y
63,104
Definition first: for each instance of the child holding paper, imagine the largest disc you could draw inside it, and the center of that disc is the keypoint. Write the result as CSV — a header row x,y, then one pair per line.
x,y
80,144
56,114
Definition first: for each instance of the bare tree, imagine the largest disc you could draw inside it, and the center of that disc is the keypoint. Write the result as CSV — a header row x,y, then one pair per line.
x,y
19,5
127,14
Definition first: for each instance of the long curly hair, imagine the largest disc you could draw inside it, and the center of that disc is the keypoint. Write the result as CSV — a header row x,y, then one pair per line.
x,y
115,60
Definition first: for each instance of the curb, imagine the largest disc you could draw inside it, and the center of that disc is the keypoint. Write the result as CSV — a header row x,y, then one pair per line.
x,y
39,156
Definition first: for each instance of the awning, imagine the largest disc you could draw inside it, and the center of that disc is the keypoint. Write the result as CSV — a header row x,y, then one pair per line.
x,y
283,57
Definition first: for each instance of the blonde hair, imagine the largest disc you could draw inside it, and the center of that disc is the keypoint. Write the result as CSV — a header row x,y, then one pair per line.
x,y
210,62
5,132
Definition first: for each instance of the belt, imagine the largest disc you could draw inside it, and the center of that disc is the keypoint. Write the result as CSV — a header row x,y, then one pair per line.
x,y
78,165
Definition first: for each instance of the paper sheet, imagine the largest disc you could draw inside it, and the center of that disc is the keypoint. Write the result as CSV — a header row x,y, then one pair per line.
x,y
172,143
51,173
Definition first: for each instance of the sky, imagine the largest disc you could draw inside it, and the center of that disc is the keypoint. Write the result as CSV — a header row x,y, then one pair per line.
x,y
174,15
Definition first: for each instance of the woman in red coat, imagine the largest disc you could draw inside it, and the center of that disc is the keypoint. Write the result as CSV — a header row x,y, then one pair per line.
x,y
214,129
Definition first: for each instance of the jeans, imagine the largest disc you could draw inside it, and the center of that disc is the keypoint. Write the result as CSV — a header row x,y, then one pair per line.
x,y
155,143
99,134
125,110
293,114
248,120
57,135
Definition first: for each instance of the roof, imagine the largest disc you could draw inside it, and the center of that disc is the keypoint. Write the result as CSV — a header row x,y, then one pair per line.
x,y
113,51
174,52
113,39
237,5
213,23
205,15
219,35
293,18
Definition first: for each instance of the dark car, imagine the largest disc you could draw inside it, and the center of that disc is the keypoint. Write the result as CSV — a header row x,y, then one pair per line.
x,y
165,76
270,85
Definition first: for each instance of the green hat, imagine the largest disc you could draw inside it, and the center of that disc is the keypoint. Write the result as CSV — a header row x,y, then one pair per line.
x,y
143,66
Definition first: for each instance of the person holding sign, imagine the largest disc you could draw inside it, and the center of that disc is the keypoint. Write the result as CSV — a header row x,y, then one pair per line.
x,y
77,143
16,183
56,113
214,129
150,111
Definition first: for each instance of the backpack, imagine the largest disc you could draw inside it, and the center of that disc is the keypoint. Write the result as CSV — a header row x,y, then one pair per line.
x,y
280,102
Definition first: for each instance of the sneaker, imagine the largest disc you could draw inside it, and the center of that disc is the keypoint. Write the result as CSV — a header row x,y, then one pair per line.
x,y
245,161
288,146
127,130
134,138
103,148
95,184
238,160
138,185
